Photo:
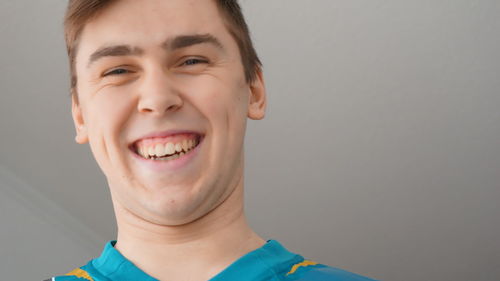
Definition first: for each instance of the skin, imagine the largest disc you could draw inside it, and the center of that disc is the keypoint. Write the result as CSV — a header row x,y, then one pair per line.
x,y
174,224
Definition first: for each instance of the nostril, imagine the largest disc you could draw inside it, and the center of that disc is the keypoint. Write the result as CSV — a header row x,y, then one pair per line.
x,y
160,105
173,107
145,110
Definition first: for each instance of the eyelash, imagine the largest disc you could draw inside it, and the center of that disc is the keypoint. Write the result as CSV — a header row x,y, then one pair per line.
x,y
188,62
116,71
193,61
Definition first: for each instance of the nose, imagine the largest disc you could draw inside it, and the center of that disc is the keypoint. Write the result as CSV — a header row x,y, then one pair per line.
x,y
158,95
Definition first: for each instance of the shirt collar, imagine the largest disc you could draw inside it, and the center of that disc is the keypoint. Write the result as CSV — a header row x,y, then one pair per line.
x,y
269,262
115,266
265,263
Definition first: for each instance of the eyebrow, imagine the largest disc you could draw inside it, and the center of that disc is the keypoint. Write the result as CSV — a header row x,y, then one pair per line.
x,y
184,41
113,51
171,44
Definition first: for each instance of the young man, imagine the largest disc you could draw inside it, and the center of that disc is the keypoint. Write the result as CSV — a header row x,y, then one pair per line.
x,y
162,90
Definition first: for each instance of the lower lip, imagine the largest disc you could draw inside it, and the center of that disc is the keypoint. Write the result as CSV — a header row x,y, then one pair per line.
x,y
162,165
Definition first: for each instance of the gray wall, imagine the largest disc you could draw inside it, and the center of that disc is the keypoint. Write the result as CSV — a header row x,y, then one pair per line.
x,y
38,238
379,153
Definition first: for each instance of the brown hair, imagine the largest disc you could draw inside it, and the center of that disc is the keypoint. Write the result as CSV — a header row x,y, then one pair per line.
x,y
80,12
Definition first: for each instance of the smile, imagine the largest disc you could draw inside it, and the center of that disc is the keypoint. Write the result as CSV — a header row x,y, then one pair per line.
x,y
166,148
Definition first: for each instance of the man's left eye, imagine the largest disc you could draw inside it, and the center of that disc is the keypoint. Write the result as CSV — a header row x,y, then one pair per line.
x,y
116,71
194,61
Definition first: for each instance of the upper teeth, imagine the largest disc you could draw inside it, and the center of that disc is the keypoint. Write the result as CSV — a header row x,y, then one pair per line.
x,y
162,150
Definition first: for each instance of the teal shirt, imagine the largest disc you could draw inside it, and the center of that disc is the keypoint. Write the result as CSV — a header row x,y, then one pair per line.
x,y
271,262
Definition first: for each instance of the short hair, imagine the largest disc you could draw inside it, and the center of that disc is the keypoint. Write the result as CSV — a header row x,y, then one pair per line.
x,y
80,12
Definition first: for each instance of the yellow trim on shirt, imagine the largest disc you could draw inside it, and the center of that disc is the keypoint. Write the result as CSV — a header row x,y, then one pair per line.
x,y
305,263
80,273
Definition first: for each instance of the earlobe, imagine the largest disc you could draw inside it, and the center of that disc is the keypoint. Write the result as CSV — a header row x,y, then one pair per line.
x,y
81,129
258,98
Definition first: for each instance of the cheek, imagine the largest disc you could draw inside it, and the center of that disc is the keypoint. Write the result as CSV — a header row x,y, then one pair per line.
x,y
109,110
224,104
107,114
218,98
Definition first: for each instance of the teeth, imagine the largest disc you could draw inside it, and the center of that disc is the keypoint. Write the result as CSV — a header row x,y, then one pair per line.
x,y
151,151
178,147
169,148
160,150
170,157
175,150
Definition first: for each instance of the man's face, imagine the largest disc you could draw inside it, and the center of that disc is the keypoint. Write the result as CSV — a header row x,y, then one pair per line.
x,y
163,101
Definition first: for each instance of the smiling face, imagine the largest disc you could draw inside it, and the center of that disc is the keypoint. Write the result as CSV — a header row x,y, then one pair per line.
x,y
163,102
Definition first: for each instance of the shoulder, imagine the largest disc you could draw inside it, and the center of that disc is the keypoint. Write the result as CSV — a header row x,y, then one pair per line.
x,y
312,271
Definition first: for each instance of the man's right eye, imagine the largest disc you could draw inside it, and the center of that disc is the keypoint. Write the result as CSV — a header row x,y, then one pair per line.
x,y
116,71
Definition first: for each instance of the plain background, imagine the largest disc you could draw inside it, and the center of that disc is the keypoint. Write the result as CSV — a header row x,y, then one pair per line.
x,y
379,153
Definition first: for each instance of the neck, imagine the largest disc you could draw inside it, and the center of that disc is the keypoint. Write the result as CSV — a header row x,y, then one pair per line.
x,y
194,251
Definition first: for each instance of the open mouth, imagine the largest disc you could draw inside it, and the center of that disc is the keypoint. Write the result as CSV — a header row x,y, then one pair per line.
x,y
166,149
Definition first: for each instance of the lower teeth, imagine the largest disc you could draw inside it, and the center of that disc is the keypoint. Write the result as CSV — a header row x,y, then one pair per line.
x,y
167,158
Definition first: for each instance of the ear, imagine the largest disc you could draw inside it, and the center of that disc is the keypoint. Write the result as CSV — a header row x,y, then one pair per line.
x,y
81,129
258,98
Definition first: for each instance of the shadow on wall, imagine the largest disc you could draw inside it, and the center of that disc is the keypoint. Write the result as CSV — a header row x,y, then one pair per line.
x,y
38,239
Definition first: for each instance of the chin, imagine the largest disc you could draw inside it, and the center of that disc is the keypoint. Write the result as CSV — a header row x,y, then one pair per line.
x,y
176,209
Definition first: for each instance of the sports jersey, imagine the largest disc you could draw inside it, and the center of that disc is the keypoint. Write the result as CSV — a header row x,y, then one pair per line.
x,y
271,262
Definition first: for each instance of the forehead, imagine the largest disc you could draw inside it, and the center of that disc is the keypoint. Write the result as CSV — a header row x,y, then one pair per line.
x,y
147,23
